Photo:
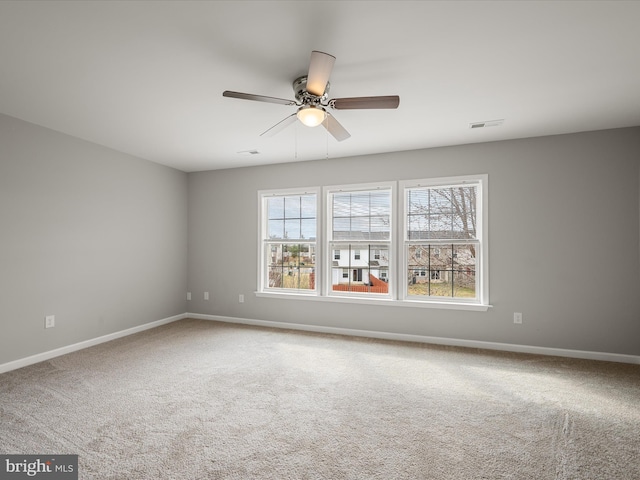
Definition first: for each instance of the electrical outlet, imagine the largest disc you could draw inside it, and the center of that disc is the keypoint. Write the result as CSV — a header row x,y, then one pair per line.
x,y
188,295
49,321
206,295
517,317
241,298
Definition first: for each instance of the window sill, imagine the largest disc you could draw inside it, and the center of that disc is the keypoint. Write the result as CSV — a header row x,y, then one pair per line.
x,y
377,301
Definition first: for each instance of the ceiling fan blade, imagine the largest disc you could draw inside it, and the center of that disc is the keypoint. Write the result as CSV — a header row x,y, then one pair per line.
x,y
281,125
335,128
257,98
356,103
320,69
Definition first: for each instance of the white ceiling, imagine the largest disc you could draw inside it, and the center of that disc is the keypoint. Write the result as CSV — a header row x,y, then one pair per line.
x,y
146,77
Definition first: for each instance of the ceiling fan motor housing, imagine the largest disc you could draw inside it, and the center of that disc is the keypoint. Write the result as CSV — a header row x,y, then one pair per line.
x,y
306,98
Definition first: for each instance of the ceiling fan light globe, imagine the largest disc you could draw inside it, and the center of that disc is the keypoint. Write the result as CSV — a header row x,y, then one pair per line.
x,y
311,116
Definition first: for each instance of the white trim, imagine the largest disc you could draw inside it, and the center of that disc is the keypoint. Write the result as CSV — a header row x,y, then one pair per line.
x,y
505,347
368,299
41,357
328,241
263,196
482,224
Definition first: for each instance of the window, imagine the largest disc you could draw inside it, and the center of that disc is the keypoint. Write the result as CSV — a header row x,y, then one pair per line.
x,y
359,226
442,235
289,225
346,245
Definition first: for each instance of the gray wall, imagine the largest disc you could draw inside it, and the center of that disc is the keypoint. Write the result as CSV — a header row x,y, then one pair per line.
x,y
563,229
95,237
106,241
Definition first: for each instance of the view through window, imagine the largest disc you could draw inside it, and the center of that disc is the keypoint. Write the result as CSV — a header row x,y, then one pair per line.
x,y
290,243
441,242
439,257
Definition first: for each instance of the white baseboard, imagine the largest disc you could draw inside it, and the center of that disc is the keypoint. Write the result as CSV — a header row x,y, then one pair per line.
x,y
506,347
41,357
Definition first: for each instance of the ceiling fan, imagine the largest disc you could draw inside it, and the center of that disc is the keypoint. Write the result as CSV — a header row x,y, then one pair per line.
x,y
311,93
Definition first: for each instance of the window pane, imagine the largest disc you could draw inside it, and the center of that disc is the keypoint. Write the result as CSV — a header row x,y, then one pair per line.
x,y
292,228
308,228
464,271
418,256
441,212
360,204
341,228
291,266
417,201
275,207
291,217
379,223
361,215
360,228
465,283
360,268
464,256
439,226
380,202
292,207
341,205
440,256
276,229
418,226
449,270
440,200
308,206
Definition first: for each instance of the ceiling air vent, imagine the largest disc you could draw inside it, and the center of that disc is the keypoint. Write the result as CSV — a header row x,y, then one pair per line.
x,y
490,123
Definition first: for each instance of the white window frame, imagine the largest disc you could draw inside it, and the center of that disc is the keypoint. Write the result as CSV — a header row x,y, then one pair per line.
x,y
398,265
327,220
482,259
264,242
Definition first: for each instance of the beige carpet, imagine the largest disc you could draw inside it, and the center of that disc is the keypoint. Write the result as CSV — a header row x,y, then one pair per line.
x,y
205,400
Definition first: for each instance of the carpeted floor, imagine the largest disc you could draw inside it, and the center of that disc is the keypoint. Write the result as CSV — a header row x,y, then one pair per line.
x,y
205,400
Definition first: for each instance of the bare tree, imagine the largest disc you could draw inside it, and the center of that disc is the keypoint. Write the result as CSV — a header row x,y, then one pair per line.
x,y
442,214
